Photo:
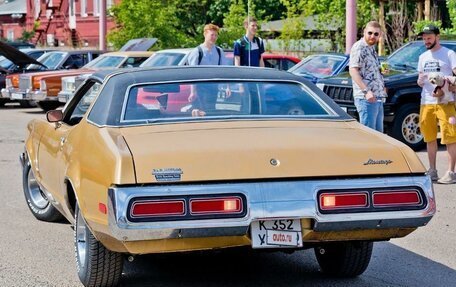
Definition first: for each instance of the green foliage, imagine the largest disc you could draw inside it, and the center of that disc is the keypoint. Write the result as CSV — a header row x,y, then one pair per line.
x,y
328,12
145,18
233,24
26,35
419,25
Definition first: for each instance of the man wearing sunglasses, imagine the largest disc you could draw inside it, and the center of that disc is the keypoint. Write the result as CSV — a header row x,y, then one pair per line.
x,y
437,102
368,85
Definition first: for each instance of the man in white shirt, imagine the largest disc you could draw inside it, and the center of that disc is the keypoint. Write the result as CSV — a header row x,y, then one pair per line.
x,y
437,103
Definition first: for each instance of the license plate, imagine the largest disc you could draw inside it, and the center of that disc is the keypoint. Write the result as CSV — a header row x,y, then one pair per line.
x,y
276,233
17,96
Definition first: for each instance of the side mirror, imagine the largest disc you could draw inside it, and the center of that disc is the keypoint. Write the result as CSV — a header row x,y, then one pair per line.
x,y
54,116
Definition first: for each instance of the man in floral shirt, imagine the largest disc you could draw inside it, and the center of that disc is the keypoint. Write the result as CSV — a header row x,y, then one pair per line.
x,y
368,86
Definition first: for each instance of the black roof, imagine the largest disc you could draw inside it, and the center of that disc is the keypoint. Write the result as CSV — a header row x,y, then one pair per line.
x,y
181,73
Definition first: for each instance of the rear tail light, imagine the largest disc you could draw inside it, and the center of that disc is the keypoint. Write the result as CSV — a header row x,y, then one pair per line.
x,y
187,207
330,201
371,200
396,198
15,81
158,208
224,205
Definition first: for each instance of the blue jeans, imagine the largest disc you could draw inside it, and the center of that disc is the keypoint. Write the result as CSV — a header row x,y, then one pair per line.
x,y
370,114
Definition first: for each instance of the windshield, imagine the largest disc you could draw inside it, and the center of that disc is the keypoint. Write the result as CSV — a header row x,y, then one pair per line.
x,y
407,56
319,66
164,59
217,99
105,62
50,60
5,63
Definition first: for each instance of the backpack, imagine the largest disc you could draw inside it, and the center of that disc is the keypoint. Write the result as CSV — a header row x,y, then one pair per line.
x,y
200,54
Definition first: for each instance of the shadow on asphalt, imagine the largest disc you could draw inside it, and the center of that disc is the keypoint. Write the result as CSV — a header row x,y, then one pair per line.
x,y
390,266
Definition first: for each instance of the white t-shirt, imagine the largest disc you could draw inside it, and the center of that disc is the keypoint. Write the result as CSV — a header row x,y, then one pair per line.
x,y
442,61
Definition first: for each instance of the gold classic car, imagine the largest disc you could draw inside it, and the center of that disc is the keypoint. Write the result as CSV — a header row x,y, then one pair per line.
x,y
178,159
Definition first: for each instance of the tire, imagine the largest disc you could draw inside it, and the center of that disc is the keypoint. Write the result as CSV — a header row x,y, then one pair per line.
x,y
3,102
36,200
96,265
344,259
48,105
406,126
27,104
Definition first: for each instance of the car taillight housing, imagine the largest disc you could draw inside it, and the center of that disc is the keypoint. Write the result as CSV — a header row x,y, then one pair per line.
x,y
156,208
188,207
15,81
330,201
217,205
36,84
371,200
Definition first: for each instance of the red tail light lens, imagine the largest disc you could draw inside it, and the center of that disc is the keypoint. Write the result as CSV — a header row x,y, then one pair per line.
x,y
158,208
329,201
214,205
396,198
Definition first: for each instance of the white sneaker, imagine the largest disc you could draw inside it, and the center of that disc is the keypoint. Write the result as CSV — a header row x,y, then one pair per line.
x,y
448,178
433,174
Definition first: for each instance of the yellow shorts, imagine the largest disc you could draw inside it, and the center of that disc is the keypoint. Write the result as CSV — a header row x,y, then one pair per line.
x,y
430,115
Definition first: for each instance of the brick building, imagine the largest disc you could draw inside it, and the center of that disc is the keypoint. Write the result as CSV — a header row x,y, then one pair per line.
x,y
73,23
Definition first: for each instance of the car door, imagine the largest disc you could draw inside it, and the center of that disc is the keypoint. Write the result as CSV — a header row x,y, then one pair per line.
x,y
53,151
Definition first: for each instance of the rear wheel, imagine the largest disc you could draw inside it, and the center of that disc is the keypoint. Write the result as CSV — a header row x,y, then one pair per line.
x,y
27,104
97,266
3,102
406,126
36,199
344,259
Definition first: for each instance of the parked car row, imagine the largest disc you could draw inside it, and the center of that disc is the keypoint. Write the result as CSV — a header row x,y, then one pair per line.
x,y
51,79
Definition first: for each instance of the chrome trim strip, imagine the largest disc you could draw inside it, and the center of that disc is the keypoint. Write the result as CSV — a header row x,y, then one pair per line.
x,y
266,200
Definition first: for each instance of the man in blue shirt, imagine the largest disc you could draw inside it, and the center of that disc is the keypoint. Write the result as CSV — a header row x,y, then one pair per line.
x,y
204,96
248,50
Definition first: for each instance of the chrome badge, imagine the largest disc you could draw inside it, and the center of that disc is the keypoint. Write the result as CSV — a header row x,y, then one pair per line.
x,y
380,161
167,174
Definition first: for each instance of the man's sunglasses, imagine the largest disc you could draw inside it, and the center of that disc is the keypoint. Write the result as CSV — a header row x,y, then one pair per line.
x,y
376,34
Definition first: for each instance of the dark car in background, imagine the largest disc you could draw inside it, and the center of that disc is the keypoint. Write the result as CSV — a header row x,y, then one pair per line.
x,y
13,61
18,85
403,103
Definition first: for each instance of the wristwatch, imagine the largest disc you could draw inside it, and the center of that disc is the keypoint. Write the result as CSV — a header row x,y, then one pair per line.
x,y
365,91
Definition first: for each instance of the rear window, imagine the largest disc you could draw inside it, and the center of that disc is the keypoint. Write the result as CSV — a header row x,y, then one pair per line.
x,y
164,59
216,99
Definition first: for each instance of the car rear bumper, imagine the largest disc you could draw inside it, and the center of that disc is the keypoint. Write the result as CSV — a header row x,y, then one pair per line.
x,y
4,93
268,200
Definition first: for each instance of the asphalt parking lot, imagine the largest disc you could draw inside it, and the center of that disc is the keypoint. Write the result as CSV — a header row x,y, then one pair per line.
x,y
35,253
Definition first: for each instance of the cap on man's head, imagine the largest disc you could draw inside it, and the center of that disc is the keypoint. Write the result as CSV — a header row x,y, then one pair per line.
x,y
429,29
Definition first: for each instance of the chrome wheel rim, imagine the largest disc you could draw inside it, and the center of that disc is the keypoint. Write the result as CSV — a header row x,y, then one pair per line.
x,y
411,131
36,195
81,243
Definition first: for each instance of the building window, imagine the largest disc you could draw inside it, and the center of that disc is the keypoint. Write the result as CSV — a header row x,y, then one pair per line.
x,y
84,8
109,4
10,35
96,8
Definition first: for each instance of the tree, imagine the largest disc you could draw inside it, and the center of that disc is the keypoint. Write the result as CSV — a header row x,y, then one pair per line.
x,y
145,18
